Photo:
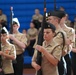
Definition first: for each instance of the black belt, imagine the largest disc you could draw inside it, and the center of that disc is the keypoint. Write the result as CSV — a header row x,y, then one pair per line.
x,y
19,55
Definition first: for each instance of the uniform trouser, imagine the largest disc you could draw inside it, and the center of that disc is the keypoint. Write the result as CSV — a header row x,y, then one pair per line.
x,y
1,73
61,68
18,66
68,64
73,58
30,47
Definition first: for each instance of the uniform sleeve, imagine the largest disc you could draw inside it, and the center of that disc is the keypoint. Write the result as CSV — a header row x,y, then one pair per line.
x,y
40,17
34,56
57,52
33,17
24,39
13,51
58,38
35,42
4,18
72,36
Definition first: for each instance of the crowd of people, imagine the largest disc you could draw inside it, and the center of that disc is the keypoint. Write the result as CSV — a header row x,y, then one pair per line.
x,y
58,49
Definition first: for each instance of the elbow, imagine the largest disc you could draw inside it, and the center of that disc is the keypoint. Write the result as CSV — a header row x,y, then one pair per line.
x,y
32,64
13,58
55,63
24,46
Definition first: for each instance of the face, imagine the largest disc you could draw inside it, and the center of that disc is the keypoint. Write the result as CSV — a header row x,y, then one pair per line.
x,y
48,34
4,37
0,12
75,19
52,20
62,9
67,16
15,27
24,31
31,25
36,11
62,20
0,25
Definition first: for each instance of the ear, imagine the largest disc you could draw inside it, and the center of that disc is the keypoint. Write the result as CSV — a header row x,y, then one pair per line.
x,y
54,34
18,27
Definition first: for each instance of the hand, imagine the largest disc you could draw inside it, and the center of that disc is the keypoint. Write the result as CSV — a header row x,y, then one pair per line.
x,y
68,41
36,66
39,48
75,35
1,53
11,36
74,50
0,70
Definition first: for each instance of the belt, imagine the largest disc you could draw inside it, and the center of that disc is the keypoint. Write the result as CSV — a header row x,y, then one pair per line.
x,y
19,55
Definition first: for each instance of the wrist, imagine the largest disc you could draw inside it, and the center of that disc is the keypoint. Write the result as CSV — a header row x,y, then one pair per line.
x,y
44,51
2,54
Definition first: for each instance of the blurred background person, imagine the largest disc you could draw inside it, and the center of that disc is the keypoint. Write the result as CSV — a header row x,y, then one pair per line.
x,y
8,53
20,43
70,32
73,53
3,19
37,18
62,8
51,52
32,32
24,31
67,21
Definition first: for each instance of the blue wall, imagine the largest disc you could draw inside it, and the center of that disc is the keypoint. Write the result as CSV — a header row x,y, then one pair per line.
x,y
24,9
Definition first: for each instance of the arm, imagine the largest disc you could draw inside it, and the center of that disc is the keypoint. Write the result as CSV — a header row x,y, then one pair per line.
x,y
52,58
34,64
19,43
9,55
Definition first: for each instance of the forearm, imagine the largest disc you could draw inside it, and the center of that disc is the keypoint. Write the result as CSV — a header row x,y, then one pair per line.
x,y
50,58
19,43
8,56
74,50
35,65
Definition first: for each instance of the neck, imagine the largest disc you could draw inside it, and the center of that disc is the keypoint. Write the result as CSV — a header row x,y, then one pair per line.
x,y
0,14
4,42
15,32
48,42
32,28
57,26
63,25
37,14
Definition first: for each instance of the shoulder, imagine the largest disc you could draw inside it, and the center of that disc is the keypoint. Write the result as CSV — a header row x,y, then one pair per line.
x,y
55,45
3,15
34,16
60,31
35,29
11,45
71,30
21,34
28,29
60,34
41,15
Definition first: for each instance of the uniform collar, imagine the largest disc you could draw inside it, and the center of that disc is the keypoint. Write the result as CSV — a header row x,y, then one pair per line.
x,y
51,43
